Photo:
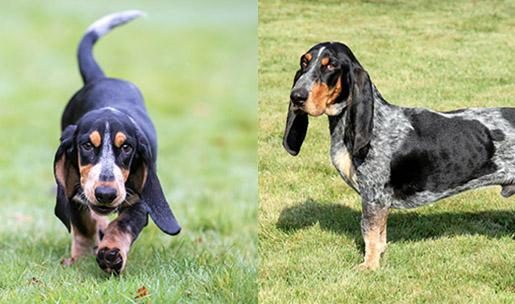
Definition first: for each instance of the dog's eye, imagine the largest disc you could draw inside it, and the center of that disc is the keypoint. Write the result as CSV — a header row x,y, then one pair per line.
x,y
304,63
126,148
330,67
87,146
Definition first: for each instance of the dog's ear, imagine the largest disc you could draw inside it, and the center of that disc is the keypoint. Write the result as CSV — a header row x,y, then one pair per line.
x,y
144,179
295,131
66,174
359,122
296,126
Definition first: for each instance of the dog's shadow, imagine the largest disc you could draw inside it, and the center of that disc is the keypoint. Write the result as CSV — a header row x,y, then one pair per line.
x,y
402,225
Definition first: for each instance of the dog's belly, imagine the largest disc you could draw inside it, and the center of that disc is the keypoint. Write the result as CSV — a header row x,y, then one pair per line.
x,y
427,197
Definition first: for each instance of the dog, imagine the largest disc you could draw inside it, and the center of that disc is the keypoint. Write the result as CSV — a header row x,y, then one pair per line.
x,y
106,162
395,157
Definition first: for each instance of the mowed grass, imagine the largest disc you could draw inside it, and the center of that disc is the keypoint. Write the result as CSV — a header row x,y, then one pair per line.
x,y
441,55
195,63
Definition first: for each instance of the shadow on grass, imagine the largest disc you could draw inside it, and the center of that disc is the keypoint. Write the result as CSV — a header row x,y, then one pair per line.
x,y
402,225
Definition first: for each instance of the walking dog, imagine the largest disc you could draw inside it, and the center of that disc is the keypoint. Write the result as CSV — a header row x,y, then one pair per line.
x,y
396,157
106,162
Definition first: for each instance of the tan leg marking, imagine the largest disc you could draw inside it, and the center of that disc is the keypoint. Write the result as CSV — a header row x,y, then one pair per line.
x,y
115,239
375,240
84,173
84,244
382,235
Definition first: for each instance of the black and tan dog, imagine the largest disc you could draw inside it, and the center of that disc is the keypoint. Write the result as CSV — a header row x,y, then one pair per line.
x,y
396,157
106,162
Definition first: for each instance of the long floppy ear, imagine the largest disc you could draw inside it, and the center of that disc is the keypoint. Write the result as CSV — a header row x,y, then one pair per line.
x,y
359,123
296,126
66,174
295,131
145,180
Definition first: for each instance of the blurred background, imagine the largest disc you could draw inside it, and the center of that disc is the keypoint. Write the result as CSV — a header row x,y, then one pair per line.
x,y
195,62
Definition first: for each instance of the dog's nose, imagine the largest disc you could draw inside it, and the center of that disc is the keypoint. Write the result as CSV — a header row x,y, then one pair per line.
x,y
299,96
105,194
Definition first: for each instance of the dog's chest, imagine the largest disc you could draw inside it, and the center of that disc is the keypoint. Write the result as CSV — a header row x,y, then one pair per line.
x,y
342,160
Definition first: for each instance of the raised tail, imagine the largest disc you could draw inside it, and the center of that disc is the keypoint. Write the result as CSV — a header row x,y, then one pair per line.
x,y
89,68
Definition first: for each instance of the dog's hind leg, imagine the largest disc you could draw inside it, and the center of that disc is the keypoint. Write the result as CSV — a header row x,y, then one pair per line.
x,y
373,228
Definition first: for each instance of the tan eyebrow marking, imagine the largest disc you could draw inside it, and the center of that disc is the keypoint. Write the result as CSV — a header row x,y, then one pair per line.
x,y
325,61
119,139
95,138
308,57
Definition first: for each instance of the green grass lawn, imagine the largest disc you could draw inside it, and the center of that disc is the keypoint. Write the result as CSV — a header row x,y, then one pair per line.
x,y
195,63
441,55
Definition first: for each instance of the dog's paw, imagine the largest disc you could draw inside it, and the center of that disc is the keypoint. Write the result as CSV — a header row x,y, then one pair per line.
x,y
68,261
368,266
111,260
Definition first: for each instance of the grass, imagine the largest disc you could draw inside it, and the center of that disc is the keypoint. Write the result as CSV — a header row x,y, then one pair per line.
x,y
195,63
441,55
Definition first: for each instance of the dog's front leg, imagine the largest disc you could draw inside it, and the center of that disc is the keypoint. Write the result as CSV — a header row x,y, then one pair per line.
x,y
86,229
373,229
120,234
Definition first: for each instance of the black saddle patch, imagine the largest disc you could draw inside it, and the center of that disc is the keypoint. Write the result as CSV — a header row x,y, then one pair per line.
x,y
440,153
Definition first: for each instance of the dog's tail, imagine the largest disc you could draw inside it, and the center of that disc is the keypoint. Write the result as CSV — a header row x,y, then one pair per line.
x,y
89,68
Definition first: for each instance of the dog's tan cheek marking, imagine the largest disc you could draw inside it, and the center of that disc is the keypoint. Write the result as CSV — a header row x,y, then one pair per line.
x,y
89,179
334,92
119,139
84,173
95,138
125,174
318,95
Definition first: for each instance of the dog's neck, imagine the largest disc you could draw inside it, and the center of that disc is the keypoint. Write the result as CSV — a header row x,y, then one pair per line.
x,y
337,123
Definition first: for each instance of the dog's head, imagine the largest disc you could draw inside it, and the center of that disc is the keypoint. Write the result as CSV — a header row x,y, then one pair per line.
x,y
329,80
106,160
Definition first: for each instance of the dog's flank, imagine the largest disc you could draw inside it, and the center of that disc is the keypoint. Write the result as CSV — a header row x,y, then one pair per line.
x,y
89,68
394,156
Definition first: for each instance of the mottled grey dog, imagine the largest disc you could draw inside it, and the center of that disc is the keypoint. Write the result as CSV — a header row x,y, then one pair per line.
x,y
392,156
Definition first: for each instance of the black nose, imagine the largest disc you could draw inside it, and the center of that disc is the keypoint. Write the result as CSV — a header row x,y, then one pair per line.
x,y
105,194
299,96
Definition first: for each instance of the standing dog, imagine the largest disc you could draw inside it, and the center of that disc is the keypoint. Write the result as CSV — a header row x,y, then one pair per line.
x,y
106,162
396,157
